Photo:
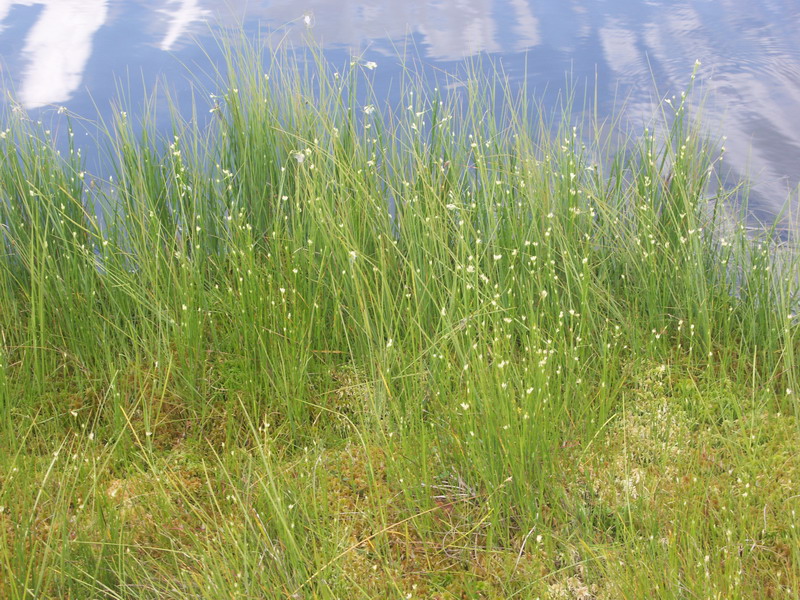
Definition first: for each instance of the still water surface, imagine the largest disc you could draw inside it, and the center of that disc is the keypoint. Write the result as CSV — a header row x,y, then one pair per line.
x,y
74,53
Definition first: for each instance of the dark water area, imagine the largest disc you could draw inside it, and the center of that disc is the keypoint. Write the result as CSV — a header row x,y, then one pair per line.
x,y
629,55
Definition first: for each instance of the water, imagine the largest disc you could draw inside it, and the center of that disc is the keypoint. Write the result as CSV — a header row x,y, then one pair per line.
x,y
75,53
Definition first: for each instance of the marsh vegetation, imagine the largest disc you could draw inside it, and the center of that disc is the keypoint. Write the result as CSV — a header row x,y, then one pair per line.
x,y
323,347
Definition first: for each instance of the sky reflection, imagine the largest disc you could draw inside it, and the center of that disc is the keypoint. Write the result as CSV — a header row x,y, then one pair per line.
x,y
67,51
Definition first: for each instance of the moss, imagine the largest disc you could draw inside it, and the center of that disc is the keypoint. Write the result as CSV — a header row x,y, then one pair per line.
x,y
670,487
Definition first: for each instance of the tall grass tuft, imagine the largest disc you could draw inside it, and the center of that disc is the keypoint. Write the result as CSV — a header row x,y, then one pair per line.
x,y
321,345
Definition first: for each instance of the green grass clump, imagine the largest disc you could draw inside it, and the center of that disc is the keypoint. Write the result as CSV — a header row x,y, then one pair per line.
x,y
322,347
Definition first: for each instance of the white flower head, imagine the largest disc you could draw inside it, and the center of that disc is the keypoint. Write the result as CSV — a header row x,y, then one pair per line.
x,y
299,157
307,19
369,109
371,65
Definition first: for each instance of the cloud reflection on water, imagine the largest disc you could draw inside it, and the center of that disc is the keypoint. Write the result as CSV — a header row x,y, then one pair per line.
x,y
57,47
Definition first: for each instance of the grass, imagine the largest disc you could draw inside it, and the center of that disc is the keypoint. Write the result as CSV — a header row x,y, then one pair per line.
x,y
322,347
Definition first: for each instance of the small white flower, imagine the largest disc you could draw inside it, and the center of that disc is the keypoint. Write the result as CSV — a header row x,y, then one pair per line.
x,y
370,65
299,157
464,406
307,20
369,109
389,343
